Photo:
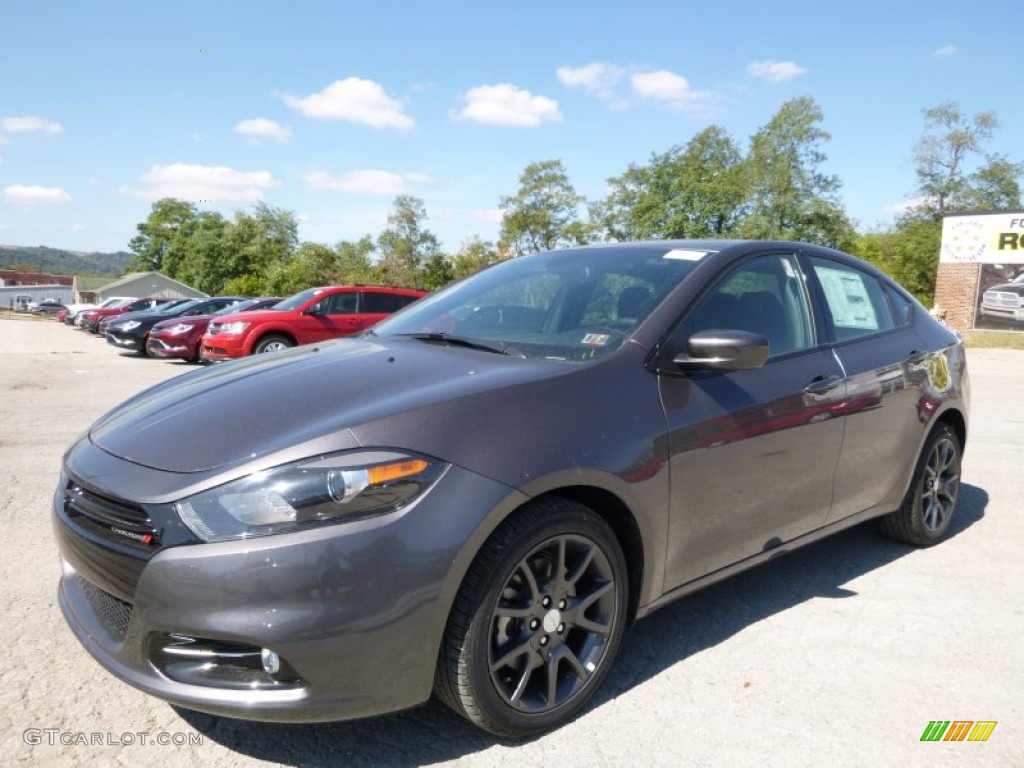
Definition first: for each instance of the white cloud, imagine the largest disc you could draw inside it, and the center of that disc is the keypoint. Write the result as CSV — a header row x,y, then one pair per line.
x,y
77,227
488,215
775,71
897,209
366,182
671,90
202,182
354,99
199,138
4,226
258,128
21,195
596,78
93,181
944,52
4,141
29,124
505,104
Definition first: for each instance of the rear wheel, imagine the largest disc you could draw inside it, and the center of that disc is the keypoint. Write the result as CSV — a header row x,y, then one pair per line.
x,y
927,510
537,621
272,343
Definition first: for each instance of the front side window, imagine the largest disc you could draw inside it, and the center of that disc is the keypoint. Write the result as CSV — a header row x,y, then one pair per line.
x,y
854,300
764,295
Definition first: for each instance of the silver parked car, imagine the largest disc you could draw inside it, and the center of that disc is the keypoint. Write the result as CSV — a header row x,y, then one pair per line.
x,y
476,497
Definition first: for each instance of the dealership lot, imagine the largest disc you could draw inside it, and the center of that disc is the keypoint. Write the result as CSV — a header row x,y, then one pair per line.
x,y
839,654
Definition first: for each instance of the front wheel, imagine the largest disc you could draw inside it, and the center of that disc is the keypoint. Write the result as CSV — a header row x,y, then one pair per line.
x,y
272,343
930,503
537,622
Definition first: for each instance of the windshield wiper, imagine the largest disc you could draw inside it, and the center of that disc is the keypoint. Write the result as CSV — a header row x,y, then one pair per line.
x,y
441,337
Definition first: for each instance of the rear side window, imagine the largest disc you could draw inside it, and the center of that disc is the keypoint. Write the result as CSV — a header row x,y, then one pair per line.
x,y
382,303
902,307
855,300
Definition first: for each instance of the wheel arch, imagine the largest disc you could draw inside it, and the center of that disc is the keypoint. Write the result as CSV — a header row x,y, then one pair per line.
x,y
262,333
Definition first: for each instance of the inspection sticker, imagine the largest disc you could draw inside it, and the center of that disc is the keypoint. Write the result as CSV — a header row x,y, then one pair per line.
x,y
685,255
596,339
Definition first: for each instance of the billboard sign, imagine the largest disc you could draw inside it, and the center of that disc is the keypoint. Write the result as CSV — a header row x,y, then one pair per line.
x,y
983,238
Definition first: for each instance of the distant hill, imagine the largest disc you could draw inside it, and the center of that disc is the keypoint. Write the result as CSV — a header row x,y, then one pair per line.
x,y
60,262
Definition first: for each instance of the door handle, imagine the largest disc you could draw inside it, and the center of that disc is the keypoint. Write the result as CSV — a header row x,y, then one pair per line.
x,y
821,384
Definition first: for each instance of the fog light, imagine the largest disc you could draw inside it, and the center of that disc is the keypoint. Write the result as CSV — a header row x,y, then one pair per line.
x,y
271,661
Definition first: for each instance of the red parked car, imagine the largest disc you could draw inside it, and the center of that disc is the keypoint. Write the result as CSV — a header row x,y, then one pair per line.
x,y
91,319
182,337
313,315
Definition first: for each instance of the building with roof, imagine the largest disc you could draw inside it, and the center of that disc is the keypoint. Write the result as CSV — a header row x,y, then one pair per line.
x,y
141,284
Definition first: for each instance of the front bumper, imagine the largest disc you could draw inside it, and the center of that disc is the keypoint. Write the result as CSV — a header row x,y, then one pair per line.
x,y
222,346
1004,313
170,346
125,341
356,611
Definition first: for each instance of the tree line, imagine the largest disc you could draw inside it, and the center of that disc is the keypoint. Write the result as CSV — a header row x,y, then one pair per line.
x,y
707,188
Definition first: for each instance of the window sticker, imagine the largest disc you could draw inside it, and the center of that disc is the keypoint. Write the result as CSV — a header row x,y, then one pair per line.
x,y
595,339
847,298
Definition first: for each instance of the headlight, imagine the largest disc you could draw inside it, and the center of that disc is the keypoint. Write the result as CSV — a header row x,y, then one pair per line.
x,y
177,328
128,326
236,327
317,491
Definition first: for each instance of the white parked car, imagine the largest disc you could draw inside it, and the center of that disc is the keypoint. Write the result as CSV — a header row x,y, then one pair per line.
x,y
75,309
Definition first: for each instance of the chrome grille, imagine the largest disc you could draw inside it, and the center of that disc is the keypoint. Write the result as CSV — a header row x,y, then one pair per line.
x,y
1002,299
115,613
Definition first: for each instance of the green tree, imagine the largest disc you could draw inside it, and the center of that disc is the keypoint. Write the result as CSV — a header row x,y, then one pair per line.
x,y
791,198
544,213
949,140
908,253
355,261
406,245
474,255
155,235
692,191
202,253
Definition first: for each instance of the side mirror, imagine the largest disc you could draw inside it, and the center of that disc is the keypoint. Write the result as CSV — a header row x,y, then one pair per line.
x,y
723,351
316,309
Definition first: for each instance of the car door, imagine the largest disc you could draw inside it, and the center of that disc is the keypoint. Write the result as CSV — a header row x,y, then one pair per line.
x,y
334,315
884,366
752,452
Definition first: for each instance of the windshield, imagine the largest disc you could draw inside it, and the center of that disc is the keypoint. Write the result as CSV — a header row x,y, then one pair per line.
x,y
176,306
296,301
572,305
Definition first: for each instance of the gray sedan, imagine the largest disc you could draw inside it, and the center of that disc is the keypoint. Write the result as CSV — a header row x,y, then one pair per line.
x,y
475,498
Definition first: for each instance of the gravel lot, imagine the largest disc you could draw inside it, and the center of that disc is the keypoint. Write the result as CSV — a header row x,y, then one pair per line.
x,y
839,654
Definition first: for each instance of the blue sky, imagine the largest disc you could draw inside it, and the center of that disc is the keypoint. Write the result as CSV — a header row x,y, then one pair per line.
x,y
331,109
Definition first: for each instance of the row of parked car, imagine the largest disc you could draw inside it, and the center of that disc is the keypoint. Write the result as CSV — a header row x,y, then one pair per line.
x,y
227,327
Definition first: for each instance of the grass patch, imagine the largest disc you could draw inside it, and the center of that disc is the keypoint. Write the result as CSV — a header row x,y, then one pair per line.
x,y
994,339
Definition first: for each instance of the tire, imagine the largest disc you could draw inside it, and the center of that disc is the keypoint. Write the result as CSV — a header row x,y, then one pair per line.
x,y
525,648
272,343
928,508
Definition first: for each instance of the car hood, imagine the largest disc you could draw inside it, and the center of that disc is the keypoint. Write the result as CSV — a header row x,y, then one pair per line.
x,y
190,320
235,413
1017,288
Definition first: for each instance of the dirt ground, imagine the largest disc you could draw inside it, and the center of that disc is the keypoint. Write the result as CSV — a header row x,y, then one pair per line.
x,y
840,654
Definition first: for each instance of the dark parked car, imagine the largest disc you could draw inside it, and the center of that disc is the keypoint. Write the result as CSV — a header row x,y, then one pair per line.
x,y
182,337
478,495
48,307
131,332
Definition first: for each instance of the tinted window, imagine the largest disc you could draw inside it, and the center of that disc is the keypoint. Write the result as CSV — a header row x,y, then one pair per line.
x,y
902,307
386,303
764,295
342,303
854,300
